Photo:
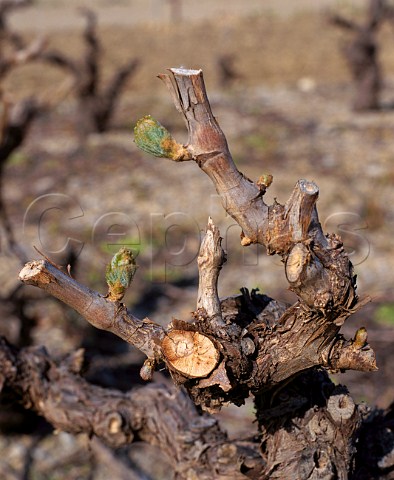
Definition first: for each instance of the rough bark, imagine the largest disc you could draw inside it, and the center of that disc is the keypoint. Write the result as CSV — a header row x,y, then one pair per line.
x,y
309,427
157,414
255,345
98,310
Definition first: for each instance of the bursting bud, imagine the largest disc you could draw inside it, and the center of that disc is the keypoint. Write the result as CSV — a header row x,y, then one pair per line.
x,y
119,274
360,338
265,181
151,137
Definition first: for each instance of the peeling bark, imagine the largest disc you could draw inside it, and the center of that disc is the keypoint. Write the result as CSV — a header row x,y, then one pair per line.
x,y
159,415
249,344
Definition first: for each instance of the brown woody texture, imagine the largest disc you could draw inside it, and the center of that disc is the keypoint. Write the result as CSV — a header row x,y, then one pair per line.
x,y
261,347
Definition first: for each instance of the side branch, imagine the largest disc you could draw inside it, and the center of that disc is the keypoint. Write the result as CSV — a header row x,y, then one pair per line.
x,y
355,354
156,414
207,145
96,309
210,261
240,350
291,230
276,227
181,347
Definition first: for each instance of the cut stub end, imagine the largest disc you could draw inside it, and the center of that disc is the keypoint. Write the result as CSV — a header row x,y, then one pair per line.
x,y
151,137
190,353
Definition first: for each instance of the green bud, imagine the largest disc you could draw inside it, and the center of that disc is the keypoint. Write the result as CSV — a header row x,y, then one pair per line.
x,y
119,274
265,180
151,137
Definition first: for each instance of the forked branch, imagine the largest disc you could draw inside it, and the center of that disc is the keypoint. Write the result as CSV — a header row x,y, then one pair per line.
x,y
215,349
279,228
247,344
156,414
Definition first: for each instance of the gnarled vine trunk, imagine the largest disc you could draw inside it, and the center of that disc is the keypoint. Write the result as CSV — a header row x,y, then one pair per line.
x,y
230,349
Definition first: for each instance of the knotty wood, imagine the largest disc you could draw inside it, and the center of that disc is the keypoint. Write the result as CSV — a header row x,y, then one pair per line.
x,y
265,348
